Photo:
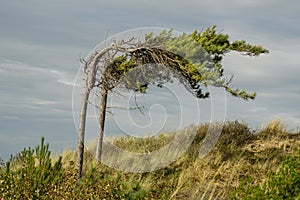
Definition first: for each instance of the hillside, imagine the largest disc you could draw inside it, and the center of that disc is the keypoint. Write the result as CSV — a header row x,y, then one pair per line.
x,y
245,164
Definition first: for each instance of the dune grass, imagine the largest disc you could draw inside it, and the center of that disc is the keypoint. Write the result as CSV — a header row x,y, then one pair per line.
x,y
244,164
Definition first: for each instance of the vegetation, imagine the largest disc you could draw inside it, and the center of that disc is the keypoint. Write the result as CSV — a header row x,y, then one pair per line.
x,y
284,184
245,164
195,60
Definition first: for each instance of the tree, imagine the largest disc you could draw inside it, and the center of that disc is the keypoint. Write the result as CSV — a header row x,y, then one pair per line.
x,y
194,59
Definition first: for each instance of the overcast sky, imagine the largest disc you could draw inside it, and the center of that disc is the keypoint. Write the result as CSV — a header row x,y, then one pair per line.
x,y
42,41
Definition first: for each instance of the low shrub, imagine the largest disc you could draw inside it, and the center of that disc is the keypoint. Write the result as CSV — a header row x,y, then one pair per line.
x,y
284,184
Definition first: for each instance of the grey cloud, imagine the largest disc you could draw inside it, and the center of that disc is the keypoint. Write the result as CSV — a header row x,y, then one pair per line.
x,y
41,43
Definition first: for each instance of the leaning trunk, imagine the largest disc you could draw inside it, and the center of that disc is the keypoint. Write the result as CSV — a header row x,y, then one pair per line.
x,y
90,83
82,131
101,121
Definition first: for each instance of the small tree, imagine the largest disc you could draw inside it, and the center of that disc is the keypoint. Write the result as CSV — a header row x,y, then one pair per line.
x,y
193,59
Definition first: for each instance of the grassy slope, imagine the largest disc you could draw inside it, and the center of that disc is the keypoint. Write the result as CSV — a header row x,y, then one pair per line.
x,y
240,153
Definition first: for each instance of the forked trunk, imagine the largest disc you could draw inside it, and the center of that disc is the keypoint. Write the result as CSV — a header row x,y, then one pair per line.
x,y
90,83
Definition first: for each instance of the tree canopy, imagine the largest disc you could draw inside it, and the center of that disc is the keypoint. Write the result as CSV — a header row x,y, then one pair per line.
x,y
194,59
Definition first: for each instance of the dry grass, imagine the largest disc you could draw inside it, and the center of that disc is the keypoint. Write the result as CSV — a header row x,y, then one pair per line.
x,y
240,152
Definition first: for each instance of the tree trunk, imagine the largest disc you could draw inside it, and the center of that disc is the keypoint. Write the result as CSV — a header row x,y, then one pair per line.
x,y
89,85
82,131
101,121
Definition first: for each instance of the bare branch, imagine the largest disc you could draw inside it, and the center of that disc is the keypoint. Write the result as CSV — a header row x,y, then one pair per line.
x,y
140,108
123,108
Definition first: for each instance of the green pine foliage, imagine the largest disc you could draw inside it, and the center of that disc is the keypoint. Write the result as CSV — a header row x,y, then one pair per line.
x,y
196,57
30,174
217,45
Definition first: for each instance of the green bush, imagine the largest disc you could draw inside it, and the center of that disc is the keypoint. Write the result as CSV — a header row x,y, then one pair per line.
x,y
30,174
285,184
95,185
